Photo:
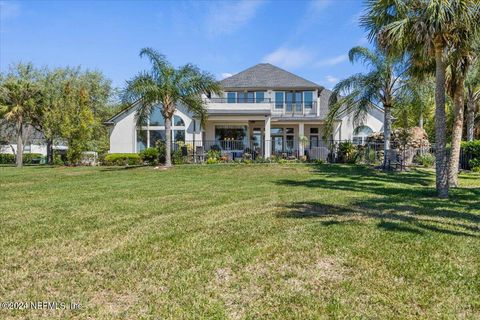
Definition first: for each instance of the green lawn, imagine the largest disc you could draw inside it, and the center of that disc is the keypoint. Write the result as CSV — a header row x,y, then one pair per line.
x,y
239,241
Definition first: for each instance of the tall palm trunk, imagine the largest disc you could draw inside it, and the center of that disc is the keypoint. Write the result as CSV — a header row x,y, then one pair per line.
x,y
458,100
470,117
49,151
441,168
420,121
387,132
168,143
19,157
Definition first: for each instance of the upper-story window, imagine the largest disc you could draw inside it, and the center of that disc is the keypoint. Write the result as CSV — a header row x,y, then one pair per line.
x,y
231,97
308,99
245,97
156,118
279,99
259,96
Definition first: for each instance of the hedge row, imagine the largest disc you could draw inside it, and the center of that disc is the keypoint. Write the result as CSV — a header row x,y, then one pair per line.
x,y
28,158
122,159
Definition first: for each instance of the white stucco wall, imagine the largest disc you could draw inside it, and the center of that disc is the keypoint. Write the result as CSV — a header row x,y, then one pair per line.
x,y
123,133
345,129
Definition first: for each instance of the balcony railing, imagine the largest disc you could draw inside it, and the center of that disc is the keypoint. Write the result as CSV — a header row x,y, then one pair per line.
x,y
293,109
239,100
278,109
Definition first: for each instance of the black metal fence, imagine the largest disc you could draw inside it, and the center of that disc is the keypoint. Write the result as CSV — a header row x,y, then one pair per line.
x,y
332,151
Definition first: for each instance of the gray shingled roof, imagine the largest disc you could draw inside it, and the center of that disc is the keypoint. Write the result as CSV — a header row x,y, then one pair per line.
x,y
267,76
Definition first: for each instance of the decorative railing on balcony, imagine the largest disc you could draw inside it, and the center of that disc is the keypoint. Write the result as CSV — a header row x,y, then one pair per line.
x,y
239,100
295,109
278,109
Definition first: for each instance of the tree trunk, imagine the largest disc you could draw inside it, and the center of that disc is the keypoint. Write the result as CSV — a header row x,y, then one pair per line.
x,y
49,151
458,101
387,131
420,121
168,143
470,119
441,168
19,157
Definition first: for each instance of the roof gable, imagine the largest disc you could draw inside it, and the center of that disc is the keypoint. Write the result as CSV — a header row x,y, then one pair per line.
x,y
267,76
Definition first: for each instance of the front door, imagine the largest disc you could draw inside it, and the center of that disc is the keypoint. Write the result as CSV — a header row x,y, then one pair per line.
x,y
277,144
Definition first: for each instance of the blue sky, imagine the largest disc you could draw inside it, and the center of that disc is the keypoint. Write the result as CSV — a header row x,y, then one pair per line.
x,y
309,38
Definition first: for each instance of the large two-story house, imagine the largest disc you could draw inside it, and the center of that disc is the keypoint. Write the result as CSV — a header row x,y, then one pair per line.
x,y
263,110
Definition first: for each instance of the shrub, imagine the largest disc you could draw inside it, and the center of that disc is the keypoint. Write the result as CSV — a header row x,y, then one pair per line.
x,y
150,155
57,160
475,164
213,154
28,158
347,152
122,159
212,161
472,148
31,158
426,160
178,158
6,158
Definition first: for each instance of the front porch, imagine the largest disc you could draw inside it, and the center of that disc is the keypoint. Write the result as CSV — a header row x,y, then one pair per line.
x,y
265,138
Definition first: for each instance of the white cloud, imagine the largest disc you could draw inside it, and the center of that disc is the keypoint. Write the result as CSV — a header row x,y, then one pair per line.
x,y
9,9
225,75
332,79
289,58
228,17
332,61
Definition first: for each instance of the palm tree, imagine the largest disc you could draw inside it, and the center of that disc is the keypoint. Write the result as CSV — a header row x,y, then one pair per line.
x,y
427,28
169,86
19,97
458,69
472,84
377,88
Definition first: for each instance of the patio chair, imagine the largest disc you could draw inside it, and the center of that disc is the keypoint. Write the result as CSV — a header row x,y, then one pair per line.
x,y
394,160
200,154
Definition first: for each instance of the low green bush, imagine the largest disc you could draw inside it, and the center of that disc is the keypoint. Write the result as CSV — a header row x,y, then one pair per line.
x,y
150,155
178,157
347,152
475,164
472,148
212,161
6,158
426,160
32,158
122,159
28,158
213,154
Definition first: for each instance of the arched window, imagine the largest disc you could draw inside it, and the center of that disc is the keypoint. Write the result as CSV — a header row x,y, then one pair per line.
x,y
153,131
361,133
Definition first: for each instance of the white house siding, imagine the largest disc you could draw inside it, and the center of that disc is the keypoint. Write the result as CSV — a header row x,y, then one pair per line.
x,y
123,135
33,148
344,130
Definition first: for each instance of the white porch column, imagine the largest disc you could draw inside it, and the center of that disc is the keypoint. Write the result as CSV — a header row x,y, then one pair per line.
x,y
268,143
301,130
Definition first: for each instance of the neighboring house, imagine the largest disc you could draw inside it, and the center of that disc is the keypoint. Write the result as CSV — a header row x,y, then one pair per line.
x,y
264,109
34,141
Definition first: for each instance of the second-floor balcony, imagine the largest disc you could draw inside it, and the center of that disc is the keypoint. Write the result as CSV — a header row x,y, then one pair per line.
x,y
275,108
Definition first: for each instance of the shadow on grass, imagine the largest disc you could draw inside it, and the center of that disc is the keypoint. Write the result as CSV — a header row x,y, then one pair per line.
x,y
401,202
120,168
